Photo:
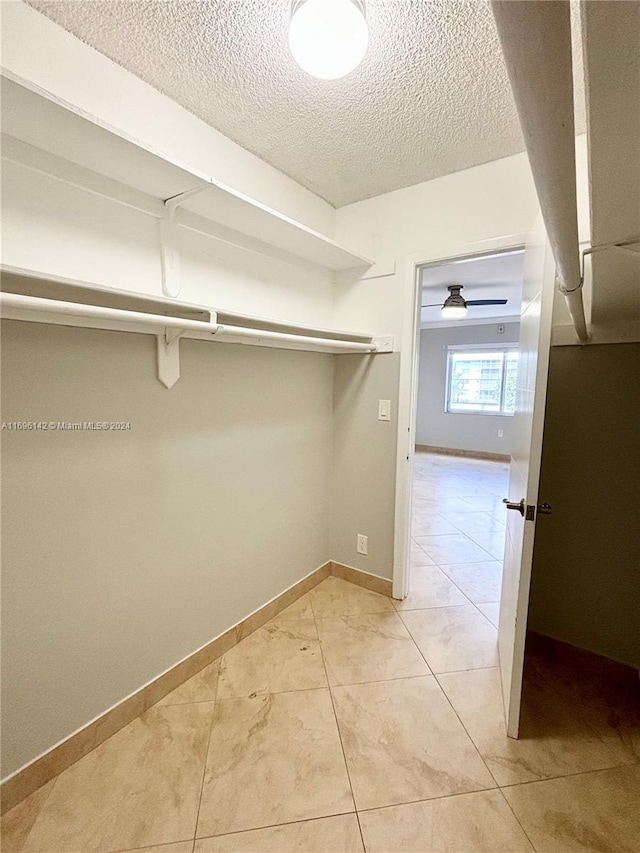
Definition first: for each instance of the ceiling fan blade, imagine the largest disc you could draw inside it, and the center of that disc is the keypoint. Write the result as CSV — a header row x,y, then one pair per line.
x,y
486,301
471,302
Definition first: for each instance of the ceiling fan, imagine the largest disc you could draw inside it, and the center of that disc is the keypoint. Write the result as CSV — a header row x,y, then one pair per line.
x,y
455,305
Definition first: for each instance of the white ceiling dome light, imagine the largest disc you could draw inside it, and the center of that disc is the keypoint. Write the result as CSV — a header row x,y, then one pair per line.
x,y
328,38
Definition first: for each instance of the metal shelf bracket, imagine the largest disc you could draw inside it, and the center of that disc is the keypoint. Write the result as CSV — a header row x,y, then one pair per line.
x,y
169,242
169,357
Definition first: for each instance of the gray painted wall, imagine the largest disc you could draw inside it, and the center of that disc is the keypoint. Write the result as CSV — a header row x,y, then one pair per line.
x,y
585,586
364,461
124,552
438,428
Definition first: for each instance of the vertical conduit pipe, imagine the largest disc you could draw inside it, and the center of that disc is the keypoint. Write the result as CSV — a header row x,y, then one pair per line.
x,y
536,43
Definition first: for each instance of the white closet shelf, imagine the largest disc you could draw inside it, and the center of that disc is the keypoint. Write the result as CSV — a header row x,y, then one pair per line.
x,y
25,282
28,297
54,128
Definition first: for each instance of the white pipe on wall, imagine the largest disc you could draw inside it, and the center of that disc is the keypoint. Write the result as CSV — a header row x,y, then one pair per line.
x,y
536,43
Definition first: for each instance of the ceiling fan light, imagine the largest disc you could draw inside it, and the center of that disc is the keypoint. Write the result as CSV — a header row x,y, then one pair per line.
x,y
328,38
454,311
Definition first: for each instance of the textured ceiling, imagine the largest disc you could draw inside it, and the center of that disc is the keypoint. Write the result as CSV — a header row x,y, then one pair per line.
x,y
431,96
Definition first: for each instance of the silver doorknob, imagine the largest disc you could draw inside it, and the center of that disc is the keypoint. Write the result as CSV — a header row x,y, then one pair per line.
x,y
519,506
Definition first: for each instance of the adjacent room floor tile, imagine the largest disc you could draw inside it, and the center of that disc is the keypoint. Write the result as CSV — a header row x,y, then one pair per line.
x,y
480,582
339,834
466,489
468,823
201,688
419,557
430,587
492,543
491,610
17,823
453,638
469,523
277,657
273,759
449,550
371,647
553,742
591,811
335,597
141,787
431,524
403,742
486,503
426,496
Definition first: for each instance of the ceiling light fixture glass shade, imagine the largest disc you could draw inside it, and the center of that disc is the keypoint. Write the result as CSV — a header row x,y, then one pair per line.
x,y
328,38
454,312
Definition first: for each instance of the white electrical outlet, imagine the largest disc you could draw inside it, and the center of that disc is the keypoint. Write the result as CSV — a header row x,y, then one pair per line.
x,y
500,433
362,544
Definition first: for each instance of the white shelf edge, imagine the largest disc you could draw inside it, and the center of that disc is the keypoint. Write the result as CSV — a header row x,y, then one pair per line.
x,y
102,295
315,244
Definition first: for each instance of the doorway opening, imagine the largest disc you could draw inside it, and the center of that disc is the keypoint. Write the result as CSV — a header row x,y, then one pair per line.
x,y
465,396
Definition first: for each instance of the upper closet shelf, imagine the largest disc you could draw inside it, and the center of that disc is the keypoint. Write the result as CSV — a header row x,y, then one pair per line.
x,y
56,129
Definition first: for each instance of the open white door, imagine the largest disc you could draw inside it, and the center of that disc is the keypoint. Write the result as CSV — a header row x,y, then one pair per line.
x,y
528,424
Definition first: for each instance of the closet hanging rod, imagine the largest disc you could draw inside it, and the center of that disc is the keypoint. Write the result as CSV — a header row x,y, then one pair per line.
x,y
38,309
239,332
99,312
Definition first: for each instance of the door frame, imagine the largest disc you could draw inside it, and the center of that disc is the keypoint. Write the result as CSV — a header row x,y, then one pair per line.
x,y
408,386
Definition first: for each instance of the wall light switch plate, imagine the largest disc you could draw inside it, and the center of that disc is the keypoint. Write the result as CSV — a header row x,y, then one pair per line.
x,y
384,410
362,544
500,433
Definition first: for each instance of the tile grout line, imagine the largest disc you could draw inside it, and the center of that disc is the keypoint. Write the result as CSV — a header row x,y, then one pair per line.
x,y
475,746
440,566
567,775
425,800
451,580
438,681
529,781
454,710
502,788
252,829
450,607
328,687
206,758
518,821
146,848
335,716
40,811
473,603
435,675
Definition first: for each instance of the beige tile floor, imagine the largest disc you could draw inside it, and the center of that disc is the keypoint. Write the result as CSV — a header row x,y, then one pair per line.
x,y
353,723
